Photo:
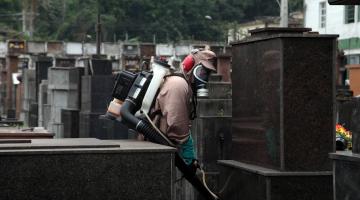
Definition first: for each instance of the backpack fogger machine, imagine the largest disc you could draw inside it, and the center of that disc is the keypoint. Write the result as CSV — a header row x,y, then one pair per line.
x,y
134,94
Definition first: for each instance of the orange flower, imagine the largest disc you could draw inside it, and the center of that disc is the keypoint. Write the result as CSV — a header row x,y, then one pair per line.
x,y
342,132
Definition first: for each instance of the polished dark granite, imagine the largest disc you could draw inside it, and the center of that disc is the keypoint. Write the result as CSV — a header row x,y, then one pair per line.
x,y
244,181
135,170
347,175
283,101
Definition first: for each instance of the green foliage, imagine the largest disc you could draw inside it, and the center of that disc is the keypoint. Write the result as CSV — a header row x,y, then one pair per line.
x,y
141,20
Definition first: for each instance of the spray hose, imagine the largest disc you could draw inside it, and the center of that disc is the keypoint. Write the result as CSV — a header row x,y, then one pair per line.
x,y
154,135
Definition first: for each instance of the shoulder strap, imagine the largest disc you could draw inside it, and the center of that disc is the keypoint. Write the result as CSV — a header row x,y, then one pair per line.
x,y
176,74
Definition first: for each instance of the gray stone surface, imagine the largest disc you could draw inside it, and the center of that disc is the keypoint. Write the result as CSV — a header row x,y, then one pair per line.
x,y
244,181
64,78
63,93
135,170
64,98
347,175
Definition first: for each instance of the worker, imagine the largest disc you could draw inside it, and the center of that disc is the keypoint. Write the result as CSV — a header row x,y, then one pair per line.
x,y
175,104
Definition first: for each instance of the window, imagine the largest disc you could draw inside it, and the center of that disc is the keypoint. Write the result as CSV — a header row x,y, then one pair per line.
x,y
349,14
322,14
353,59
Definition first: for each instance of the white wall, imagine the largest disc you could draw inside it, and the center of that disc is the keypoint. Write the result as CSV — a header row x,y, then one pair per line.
x,y
335,20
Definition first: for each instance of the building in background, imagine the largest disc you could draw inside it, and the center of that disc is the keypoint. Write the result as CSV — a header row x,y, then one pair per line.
x,y
241,31
336,19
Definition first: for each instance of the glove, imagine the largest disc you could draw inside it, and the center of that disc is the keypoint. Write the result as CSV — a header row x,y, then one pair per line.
x,y
194,166
187,151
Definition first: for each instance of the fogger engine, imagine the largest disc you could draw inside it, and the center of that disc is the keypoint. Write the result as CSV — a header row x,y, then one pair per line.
x,y
138,88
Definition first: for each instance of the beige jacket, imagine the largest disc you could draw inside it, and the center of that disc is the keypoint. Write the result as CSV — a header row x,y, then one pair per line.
x,y
173,106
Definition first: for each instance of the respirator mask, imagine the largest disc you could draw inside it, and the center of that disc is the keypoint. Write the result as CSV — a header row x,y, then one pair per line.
x,y
201,77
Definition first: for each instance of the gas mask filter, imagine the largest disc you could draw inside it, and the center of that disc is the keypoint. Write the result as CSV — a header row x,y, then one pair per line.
x,y
201,77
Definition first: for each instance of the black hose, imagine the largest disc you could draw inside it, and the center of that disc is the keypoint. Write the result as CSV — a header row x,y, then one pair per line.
x,y
192,178
127,112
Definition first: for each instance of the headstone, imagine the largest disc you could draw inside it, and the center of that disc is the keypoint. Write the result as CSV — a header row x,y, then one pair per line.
x,y
90,125
42,65
95,96
100,67
33,115
283,116
29,97
70,119
86,169
96,93
275,93
63,93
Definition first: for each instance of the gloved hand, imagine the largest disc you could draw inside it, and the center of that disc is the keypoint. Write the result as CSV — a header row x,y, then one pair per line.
x,y
194,166
187,151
